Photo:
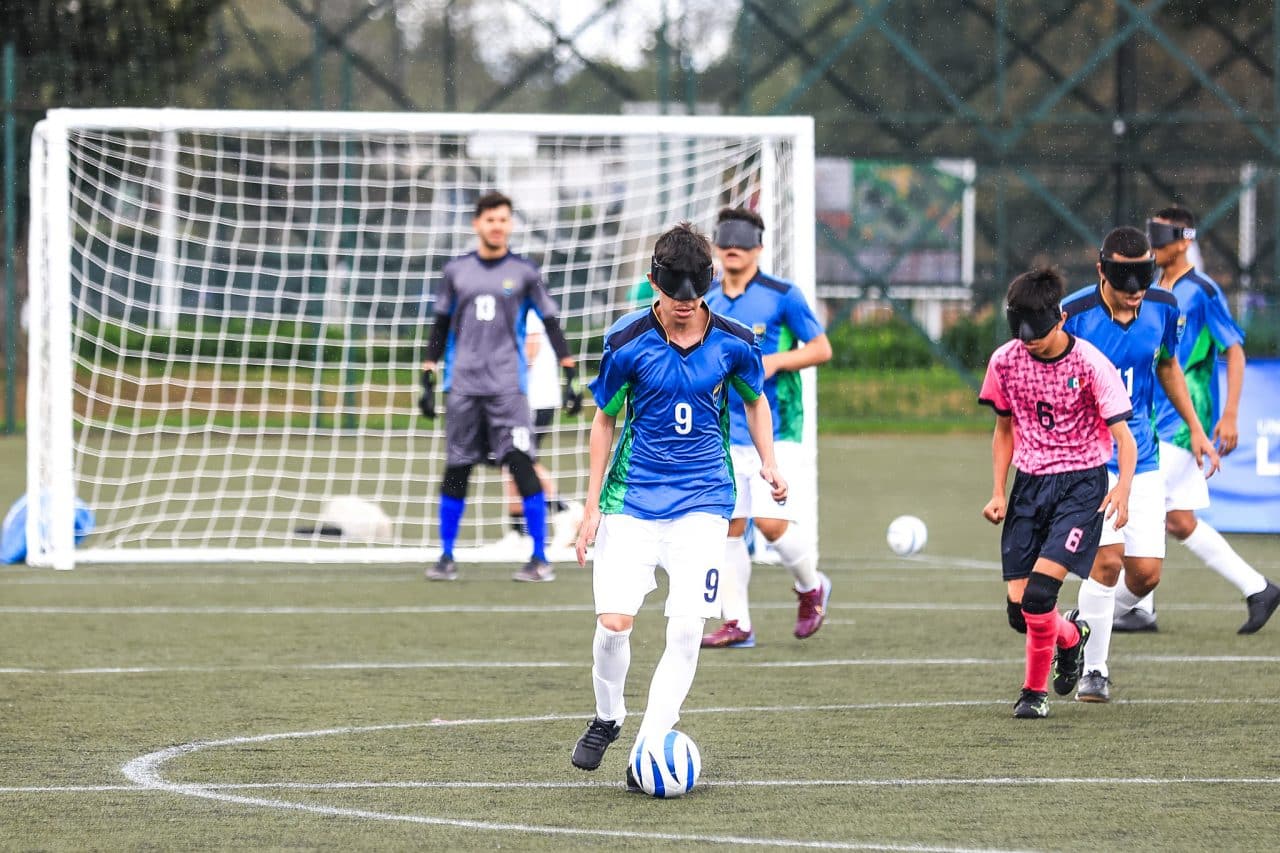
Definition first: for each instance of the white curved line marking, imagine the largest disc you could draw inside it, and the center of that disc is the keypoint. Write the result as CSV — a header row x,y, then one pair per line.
x,y
144,772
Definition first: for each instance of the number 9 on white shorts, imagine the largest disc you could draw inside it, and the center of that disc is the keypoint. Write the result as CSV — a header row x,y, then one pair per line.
x,y
690,548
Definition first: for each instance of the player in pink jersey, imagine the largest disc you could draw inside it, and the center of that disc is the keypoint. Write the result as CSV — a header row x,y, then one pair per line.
x,y
1058,404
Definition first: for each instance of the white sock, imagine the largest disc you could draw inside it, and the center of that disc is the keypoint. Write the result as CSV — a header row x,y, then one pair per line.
x,y
737,577
798,555
1097,604
673,676
1147,604
1208,544
1125,599
611,653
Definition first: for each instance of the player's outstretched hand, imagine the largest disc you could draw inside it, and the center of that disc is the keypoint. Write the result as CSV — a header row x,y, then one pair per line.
x,y
587,532
571,393
1206,456
1115,505
773,478
995,509
427,402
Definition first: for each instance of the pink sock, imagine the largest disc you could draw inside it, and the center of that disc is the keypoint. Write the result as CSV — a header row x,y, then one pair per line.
x,y
1042,635
1068,633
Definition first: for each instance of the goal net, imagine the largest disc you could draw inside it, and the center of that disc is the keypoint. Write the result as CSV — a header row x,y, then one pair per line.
x,y
229,309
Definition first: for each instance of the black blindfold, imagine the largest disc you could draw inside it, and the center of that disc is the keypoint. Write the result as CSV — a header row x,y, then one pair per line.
x,y
1032,325
678,284
1129,276
1162,234
738,234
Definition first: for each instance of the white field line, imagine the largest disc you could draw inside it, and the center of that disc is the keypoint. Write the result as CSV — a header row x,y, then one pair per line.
x,y
267,574
145,771
362,666
470,609
193,578
993,781
965,569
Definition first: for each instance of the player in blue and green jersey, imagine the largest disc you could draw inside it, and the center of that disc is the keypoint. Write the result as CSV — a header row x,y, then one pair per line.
x,y
1208,331
1136,328
666,494
481,307
781,319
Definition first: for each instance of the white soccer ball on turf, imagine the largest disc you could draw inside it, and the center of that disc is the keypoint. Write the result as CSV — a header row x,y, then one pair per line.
x,y
356,519
666,765
907,535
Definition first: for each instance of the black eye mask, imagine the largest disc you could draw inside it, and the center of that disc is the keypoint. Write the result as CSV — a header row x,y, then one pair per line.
x,y
680,285
1032,325
1129,276
1162,234
738,234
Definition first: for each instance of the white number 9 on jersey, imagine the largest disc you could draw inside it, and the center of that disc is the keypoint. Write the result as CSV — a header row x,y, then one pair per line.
x,y
684,418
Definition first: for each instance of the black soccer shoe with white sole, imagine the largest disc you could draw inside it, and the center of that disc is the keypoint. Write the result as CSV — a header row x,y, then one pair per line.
x,y
589,752
1068,664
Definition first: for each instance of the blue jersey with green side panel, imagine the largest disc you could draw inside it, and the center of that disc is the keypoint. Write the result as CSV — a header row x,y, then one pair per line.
x,y
1134,348
776,311
672,454
1207,329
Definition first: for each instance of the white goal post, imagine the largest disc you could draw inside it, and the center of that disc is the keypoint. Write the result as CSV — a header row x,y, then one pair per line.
x,y
229,309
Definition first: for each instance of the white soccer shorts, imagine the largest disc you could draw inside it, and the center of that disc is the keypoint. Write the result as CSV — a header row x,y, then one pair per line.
x,y
755,497
628,551
1143,535
1185,486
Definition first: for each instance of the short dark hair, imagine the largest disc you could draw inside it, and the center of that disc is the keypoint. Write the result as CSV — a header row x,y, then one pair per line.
x,y
1037,289
683,249
746,214
490,200
1127,242
1176,215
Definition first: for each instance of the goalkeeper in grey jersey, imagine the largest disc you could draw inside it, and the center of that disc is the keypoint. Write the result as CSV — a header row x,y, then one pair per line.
x,y
479,330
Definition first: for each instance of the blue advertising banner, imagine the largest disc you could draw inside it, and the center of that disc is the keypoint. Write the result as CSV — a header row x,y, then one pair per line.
x,y
1245,494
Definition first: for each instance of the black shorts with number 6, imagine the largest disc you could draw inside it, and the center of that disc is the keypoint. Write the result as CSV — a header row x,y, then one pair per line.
x,y
1054,516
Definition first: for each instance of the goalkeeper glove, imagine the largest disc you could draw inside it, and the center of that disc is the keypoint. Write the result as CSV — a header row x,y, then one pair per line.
x,y
427,402
571,395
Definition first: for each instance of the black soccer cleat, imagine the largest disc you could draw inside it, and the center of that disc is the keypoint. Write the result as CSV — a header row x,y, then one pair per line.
x,y
589,752
536,570
1068,664
633,787
1134,621
1261,606
1031,705
445,569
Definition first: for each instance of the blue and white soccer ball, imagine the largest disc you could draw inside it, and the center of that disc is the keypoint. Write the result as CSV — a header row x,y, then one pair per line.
x,y
666,765
907,535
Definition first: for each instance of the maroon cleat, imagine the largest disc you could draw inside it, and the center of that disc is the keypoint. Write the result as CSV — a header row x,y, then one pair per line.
x,y
729,636
813,608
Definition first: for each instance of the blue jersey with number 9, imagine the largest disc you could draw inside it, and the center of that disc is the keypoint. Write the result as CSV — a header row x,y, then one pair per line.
x,y
672,455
